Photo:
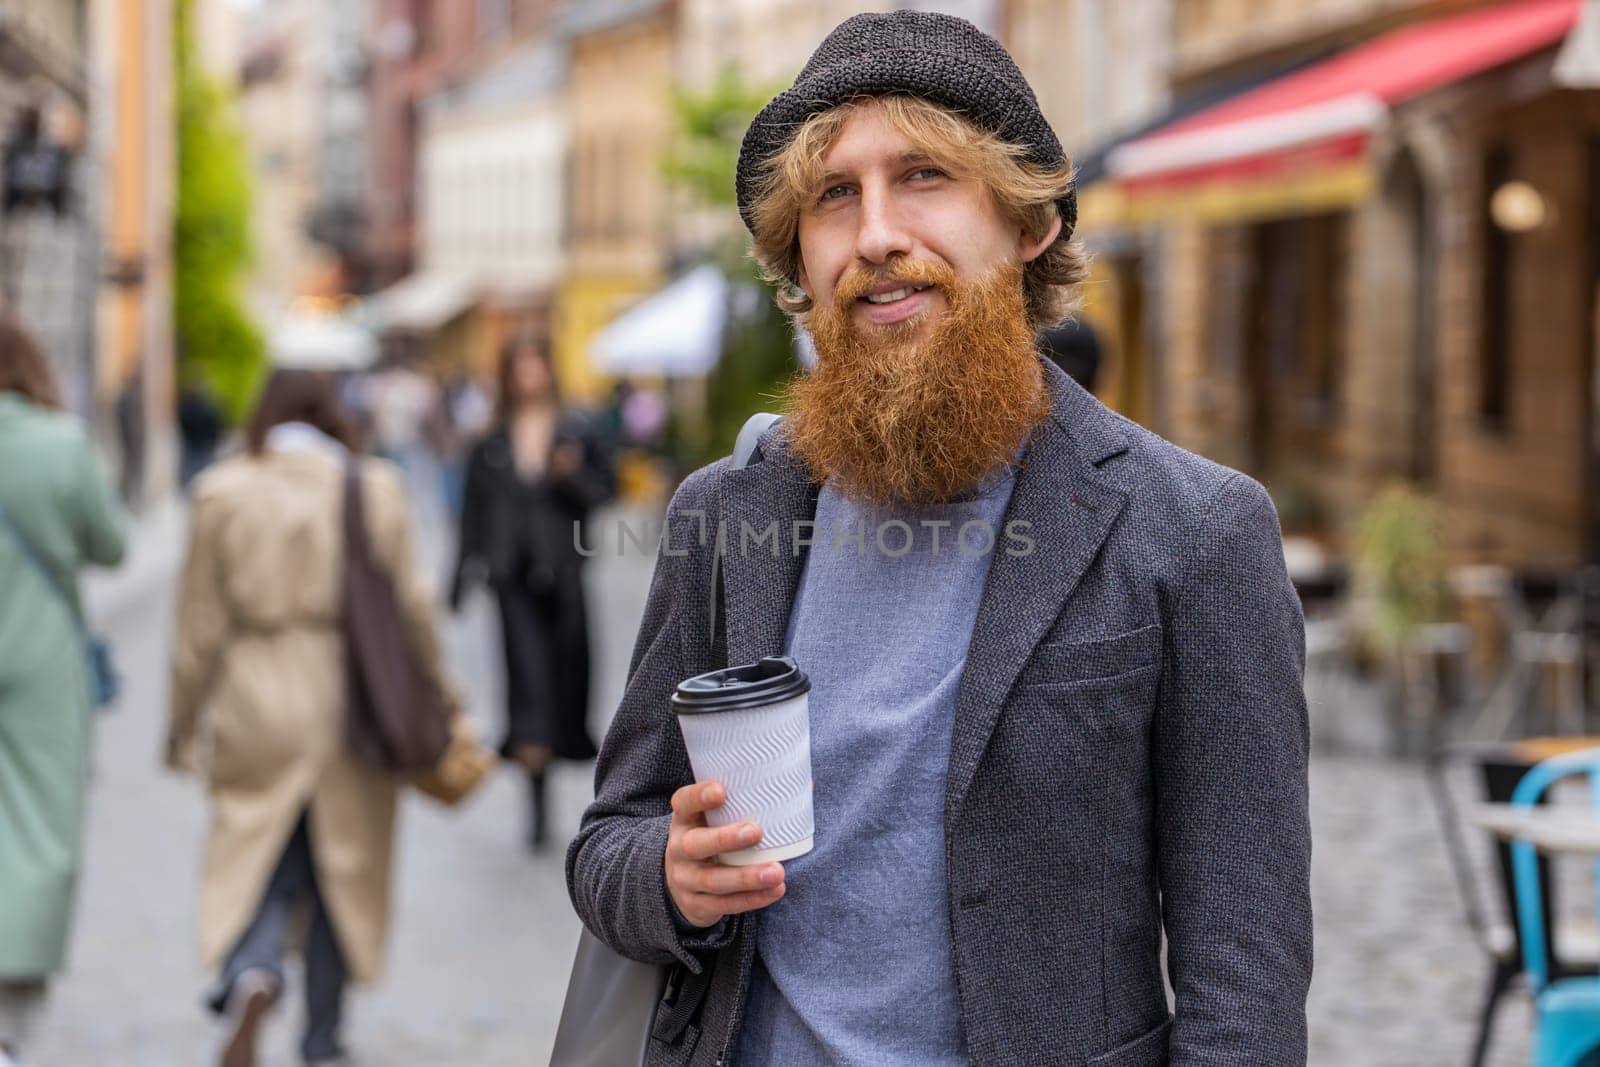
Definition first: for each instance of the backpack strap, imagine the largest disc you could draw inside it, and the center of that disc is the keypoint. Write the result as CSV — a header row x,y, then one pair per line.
x,y
747,446
686,991
746,450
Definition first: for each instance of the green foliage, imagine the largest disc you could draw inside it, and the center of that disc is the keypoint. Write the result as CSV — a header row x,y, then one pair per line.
x,y
216,339
757,360
757,353
708,127
1399,568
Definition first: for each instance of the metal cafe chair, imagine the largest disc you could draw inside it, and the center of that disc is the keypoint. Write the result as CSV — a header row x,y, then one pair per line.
x,y
1543,614
1490,915
1568,1008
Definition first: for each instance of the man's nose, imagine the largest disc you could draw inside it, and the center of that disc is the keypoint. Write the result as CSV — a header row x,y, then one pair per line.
x,y
882,234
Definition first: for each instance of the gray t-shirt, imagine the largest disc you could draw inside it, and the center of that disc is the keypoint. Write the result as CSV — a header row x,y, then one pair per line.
x,y
854,963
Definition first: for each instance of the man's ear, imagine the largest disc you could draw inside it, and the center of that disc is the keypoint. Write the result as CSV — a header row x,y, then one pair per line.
x,y
1031,248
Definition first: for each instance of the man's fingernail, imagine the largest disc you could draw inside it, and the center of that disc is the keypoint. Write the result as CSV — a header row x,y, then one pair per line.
x,y
748,835
772,876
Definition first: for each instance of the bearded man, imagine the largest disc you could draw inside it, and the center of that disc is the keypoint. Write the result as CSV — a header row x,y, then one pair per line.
x,y
1037,754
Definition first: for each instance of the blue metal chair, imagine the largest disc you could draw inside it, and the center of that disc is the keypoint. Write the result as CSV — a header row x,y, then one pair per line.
x,y
1568,1008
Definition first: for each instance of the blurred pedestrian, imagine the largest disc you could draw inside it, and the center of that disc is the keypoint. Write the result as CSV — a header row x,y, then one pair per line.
x,y
258,702
644,419
200,427
57,512
466,411
1074,346
400,400
540,471
129,412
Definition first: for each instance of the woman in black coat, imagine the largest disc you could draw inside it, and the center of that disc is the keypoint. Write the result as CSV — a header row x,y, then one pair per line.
x,y
540,470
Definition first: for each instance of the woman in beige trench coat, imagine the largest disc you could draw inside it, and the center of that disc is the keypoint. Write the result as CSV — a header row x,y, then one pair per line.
x,y
258,704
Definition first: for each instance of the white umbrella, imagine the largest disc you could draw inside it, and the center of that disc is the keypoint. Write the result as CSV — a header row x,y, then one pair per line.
x,y
676,332
321,342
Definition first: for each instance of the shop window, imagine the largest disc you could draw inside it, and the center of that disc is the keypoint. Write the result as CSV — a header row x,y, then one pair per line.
x,y
618,201
584,191
1294,339
1298,323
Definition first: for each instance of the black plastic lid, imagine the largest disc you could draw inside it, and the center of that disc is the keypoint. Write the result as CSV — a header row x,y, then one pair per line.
x,y
772,680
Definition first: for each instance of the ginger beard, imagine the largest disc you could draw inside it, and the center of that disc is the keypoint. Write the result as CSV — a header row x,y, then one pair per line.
x,y
915,421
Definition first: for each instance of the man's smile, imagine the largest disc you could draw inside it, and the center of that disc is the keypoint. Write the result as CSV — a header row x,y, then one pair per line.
x,y
895,305
893,295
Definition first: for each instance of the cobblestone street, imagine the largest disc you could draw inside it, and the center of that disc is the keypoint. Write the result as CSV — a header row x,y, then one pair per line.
x,y
1398,979
484,933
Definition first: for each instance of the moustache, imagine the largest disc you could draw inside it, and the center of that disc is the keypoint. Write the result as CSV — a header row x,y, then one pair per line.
x,y
858,281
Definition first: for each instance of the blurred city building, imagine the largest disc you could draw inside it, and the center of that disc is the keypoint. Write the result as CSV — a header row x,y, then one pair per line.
x,y
463,118
130,123
770,40
337,212
988,15
622,58
1324,230
221,27
492,202
48,258
413,48
1100,72
1381,265
303,109
767,40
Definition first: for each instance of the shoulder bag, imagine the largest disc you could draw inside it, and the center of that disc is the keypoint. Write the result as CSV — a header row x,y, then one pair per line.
x,y
398,721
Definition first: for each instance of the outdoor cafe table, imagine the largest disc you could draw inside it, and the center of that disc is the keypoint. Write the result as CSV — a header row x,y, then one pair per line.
x,y
1551,829
1569,831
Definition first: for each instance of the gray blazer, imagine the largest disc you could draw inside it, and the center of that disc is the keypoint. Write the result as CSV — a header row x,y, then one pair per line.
x,y
1128,758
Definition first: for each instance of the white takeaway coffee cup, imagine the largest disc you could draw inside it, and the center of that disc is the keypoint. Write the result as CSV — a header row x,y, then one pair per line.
x,y
750,729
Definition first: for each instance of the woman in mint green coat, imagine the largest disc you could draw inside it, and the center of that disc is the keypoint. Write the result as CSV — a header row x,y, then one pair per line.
x,y
53,493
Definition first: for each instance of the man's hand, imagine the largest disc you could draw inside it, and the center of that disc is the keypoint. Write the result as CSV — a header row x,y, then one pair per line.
x,y
702,889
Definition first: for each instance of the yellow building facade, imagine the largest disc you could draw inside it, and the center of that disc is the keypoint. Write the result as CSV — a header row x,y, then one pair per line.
x,y
621,70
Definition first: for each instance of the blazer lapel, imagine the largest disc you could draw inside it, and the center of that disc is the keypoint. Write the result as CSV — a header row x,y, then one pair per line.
x,y
1069,507
767,499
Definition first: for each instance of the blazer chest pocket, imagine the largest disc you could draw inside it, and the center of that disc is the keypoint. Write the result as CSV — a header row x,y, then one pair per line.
x,y
1092,664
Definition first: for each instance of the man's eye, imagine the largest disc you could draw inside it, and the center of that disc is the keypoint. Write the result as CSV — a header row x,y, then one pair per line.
x,y
927,172
828,193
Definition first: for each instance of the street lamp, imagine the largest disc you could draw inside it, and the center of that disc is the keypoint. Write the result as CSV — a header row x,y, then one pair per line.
x,y
1518,207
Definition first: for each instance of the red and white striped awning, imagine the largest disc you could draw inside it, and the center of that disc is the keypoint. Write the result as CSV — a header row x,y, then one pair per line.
x,y
1302,141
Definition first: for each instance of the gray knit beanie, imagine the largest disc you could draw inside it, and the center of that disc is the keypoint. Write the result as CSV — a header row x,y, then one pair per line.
x,y
940,58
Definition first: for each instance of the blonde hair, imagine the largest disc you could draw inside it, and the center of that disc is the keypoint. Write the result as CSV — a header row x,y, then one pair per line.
x,y
1024,191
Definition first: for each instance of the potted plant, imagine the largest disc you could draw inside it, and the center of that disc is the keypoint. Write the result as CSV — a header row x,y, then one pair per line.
x,y
1400,608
